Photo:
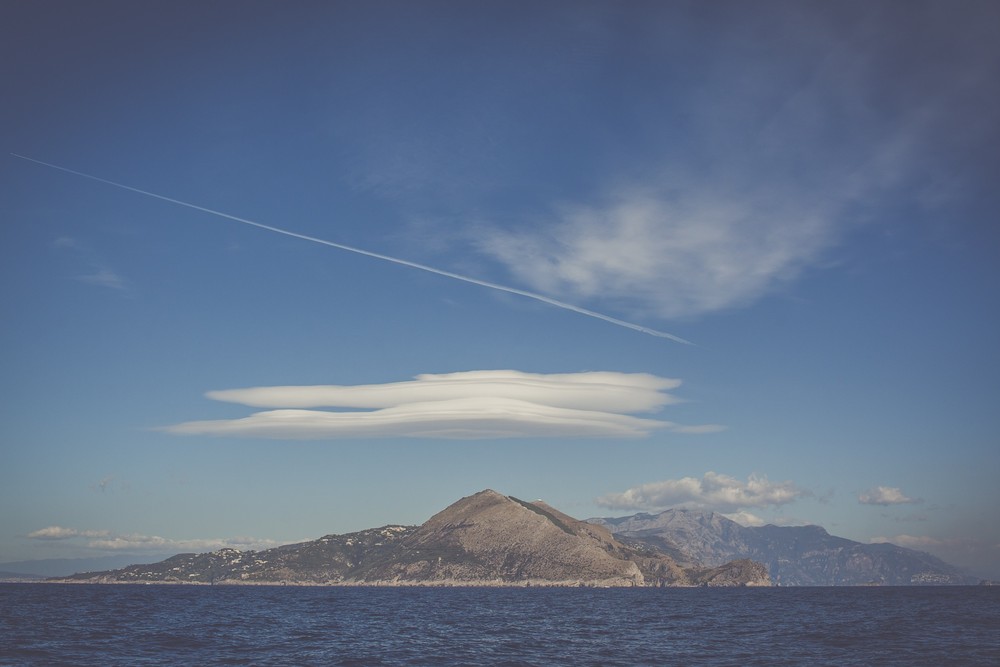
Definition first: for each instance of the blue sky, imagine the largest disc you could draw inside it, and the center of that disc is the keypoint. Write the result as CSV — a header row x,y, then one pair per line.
x,y
804,191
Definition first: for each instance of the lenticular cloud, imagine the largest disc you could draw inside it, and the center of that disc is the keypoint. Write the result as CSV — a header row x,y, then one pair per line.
x,y
466,405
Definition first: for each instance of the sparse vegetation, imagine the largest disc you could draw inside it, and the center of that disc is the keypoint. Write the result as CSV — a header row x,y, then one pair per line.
x,y
547,515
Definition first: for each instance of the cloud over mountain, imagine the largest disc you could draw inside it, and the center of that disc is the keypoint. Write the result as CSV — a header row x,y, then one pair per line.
x,y
885,495
465,405
714,491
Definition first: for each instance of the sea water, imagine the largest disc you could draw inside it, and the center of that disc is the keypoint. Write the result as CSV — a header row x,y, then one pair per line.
x,y
92,624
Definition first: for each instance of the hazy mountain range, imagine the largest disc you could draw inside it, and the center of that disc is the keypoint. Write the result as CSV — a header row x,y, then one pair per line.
x,y
794,555
61,567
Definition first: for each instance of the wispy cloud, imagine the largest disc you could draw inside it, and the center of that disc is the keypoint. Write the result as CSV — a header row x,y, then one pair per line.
x,y
674,255
98,273
720,493
60,533
765,189
104,277
885,495
105,540
465,405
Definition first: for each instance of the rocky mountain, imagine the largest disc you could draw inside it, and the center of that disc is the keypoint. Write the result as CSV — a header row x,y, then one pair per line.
x,y
484,539
795,556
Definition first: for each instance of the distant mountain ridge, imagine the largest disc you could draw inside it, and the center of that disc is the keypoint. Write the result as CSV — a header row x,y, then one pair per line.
x,y
794,555
483,539
61,567
7,577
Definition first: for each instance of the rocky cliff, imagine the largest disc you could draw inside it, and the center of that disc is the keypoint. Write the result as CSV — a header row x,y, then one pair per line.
x,y
484,539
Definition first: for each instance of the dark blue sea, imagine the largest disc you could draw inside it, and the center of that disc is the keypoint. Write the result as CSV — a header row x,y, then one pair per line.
x,y
53,624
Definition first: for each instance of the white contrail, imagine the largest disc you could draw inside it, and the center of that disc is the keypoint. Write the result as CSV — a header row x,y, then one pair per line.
x,y
394,260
